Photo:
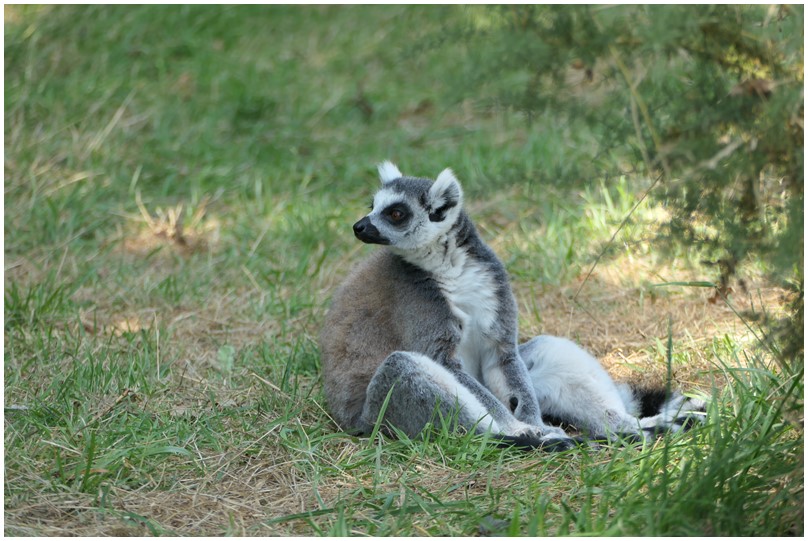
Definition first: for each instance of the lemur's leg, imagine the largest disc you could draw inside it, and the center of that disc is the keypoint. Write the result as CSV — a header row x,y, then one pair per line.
x,y
573,387
420,385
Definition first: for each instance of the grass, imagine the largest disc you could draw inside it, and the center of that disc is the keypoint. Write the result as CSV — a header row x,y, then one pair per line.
x,y
179,187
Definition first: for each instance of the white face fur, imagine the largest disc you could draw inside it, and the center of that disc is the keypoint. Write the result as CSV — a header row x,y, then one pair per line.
x,y
411,213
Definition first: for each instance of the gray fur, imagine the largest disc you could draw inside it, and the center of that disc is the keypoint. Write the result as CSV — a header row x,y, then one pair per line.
x,y
428,325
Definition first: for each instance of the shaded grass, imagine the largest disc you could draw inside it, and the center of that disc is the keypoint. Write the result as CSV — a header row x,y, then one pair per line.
x,y
154,386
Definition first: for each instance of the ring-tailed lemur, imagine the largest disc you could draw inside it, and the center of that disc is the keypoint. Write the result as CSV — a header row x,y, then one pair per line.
x,y
429,325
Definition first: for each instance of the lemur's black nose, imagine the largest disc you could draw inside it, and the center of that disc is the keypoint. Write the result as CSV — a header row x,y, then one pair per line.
x,y
367,232
361,226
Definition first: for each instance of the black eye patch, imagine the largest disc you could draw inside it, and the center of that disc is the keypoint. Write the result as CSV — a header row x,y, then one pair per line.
x,y
397,214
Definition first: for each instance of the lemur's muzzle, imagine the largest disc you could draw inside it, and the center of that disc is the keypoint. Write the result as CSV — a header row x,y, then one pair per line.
x,y
367,232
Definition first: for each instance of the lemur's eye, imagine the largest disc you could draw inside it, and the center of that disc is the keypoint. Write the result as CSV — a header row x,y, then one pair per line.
x,y
396,214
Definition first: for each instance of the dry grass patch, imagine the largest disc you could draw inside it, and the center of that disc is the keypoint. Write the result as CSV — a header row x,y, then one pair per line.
x,y
200,233
625,325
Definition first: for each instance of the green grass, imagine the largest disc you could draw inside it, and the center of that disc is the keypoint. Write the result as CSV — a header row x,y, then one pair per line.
x,y
160,381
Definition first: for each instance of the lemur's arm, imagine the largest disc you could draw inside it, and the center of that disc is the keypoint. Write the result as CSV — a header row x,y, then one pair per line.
x,y
510,425
526,417
519,394
503,370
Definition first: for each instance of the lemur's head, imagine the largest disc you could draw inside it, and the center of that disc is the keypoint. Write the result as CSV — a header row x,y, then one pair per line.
x,y
409,213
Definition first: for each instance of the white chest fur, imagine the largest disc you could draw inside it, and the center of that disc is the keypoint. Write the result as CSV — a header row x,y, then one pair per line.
x,y
473,300
472,295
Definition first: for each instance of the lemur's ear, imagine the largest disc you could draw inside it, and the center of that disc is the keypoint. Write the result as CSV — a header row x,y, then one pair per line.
x,y
388,171
444,194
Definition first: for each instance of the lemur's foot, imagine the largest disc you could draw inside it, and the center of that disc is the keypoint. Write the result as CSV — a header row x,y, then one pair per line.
x,y
679,414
